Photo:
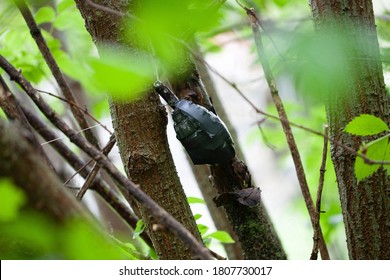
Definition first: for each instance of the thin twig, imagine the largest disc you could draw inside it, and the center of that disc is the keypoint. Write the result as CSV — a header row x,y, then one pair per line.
x,y
126,186
56,71
264,136
105,9
314,253
95,169
216,255
256,27
78,171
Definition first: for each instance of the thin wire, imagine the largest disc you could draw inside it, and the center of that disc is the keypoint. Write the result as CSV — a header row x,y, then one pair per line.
x,y
155,61
84,110
78,131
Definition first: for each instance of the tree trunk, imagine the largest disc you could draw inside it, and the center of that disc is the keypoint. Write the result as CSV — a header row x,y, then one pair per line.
x,y
365,205
140,128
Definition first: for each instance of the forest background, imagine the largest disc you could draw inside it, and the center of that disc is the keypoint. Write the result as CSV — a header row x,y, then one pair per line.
x,y
226,43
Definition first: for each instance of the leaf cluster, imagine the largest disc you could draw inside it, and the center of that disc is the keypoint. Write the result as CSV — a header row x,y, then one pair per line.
x,y
377,150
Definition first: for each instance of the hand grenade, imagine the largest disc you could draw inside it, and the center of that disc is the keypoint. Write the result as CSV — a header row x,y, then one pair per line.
x,y
202,133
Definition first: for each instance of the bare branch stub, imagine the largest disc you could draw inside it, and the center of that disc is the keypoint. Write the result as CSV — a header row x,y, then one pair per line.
x,y
95,169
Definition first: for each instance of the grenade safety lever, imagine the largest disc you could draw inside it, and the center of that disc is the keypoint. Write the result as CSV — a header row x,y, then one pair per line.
x,y
166,94
201,132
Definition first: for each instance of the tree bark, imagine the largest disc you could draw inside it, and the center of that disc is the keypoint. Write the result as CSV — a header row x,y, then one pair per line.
x,y
140,128
365,205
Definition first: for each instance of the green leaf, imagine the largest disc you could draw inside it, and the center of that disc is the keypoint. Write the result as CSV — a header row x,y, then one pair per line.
x,y
387,158
365,125
168,25
82,242
139,228
32,235
65,4
12,199
221,236
2,114
321,68
197,217
67,19
122,75
376,150
45,14
129,249
281,3
193,200
202,229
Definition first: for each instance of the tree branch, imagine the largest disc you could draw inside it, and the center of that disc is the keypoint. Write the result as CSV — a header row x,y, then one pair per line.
x,y
255,24
104,8
19,161
314,254
53,66
106,193
127,186
13,111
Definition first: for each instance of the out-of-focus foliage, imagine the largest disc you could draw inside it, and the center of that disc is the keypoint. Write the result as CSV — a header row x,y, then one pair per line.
x,y
29,234
383,29
320,65
117,66
292,51
170,26
15,199
140,227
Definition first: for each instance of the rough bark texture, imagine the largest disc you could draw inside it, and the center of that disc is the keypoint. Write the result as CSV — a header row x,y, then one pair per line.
x,y
365,205
140,128
251,223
